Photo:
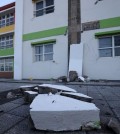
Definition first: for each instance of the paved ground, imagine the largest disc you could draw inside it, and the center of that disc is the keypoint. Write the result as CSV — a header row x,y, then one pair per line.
x,y
15,118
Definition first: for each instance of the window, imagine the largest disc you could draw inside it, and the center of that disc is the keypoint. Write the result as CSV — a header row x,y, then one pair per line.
x,y
6,65
109,46
44,7
44,52
6,41
7,20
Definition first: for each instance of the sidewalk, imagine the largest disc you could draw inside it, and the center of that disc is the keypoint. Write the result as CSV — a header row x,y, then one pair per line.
x,y
14,119
91,83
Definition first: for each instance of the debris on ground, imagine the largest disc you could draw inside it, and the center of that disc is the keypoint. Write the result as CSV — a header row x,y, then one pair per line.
x,y
52,112
114,125
62,79
50,106
73,76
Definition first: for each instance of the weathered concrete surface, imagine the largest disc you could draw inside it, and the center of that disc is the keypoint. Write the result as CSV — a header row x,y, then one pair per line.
x,y
52,112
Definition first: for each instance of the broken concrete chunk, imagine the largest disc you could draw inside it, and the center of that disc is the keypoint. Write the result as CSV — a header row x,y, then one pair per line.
x,y
29,96
114,125
62,79
57,88
73,76
81,79
10,95
91,126
56,115
77,96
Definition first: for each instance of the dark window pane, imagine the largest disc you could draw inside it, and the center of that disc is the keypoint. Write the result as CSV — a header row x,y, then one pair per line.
x,y
49,10
48,48
117,40
48,57
105,42
39,5
105,52
39,13
49,2
117,51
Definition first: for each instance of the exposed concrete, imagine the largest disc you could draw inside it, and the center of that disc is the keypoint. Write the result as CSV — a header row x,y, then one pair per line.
x,y
52,112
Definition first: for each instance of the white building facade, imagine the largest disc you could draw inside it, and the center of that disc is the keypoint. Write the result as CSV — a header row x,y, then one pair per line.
x,y
42,43
101,38
41,38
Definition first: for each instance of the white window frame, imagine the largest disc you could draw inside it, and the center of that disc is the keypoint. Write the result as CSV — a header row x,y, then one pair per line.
x,y
9,45
43,53
113,46
44,8
7,18
5,63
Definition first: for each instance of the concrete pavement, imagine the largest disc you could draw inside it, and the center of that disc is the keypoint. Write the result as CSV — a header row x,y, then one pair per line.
x,y
14,119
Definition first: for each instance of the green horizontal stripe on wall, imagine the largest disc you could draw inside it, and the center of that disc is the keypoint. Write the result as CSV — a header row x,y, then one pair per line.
x,y
111,22
6,52
43,42
44,34
116,32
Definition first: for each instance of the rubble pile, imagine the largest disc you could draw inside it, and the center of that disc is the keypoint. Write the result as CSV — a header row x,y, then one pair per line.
x,y
60,108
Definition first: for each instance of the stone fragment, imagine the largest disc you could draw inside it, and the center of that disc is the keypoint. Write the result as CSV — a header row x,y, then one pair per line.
x,y
91,126
77,96
10,95
73,76
47,88
29,96
81,79
114,125
53,112
62,79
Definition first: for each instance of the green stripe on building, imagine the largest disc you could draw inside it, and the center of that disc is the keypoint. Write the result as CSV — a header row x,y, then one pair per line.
x,y
43,42
111,22
44,34
7,52
99,34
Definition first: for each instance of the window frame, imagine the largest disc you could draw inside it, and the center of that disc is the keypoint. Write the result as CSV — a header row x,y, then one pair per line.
x,y
7,64
44,8
11,16
43,52
10,41
112,47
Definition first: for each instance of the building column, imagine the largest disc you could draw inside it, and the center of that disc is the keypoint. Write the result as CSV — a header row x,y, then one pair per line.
x,y
19,8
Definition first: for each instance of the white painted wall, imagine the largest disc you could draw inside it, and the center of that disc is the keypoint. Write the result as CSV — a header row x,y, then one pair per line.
x,y
104,9
94,66
57,19
76,58
18,40
46,69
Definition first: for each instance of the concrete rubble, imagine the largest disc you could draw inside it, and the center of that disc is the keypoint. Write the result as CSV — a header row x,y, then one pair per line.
x,y
60,108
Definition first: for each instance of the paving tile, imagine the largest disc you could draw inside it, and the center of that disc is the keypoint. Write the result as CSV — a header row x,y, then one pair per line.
x,y
18,101
114,104
112,98
22,111
75,132
8,106
106,111
100,103
7,121
23,128
95,96
101,132
117,112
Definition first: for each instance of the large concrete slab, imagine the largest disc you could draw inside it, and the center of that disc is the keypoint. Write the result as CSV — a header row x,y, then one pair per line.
x,y
52,112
